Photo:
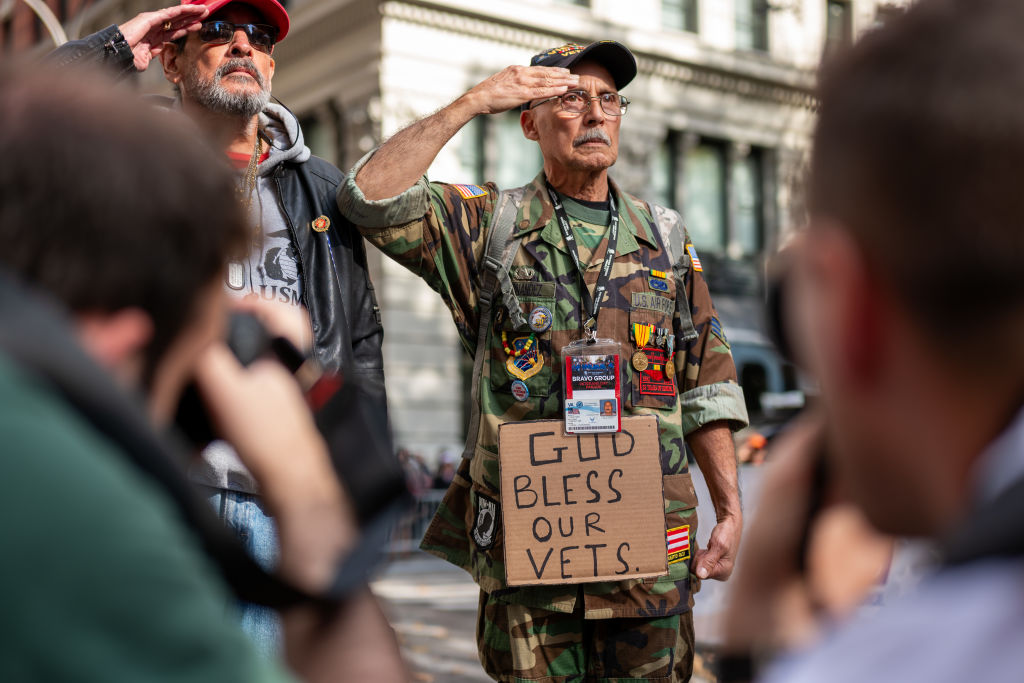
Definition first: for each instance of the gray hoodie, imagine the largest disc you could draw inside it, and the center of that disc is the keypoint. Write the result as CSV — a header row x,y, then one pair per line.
x,y
271,272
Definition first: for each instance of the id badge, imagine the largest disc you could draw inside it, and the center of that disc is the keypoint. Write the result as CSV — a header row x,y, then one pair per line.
x,y
593,386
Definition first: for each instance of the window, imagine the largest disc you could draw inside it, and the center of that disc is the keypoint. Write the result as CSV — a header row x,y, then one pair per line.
x,y
704,194
748,216
679,14
838,25
663,175
720,189
752,25
513,160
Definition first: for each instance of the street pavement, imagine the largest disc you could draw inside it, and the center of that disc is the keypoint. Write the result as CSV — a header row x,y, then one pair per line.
x,y
432,605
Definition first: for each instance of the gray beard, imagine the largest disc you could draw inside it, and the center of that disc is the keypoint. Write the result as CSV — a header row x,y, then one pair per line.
x,y
211,95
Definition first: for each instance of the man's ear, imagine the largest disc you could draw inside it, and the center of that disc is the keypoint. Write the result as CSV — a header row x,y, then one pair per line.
x,y
528,125
170,58
116,340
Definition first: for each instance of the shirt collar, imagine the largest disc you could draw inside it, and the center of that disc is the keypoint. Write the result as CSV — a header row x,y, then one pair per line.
x,y
537,213
1002,463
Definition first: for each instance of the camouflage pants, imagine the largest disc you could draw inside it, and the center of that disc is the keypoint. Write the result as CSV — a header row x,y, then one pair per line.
x,y
520,643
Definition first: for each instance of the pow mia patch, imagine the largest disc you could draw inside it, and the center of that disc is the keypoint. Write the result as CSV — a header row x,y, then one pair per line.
x,y
653,302
486,521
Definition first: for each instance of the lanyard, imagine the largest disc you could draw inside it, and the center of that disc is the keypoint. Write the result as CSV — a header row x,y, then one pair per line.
x,y
591,304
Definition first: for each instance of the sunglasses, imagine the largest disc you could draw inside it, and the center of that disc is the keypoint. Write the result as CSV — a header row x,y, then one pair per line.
x,y
260,36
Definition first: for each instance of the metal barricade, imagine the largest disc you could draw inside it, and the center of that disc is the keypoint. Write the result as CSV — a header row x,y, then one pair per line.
x,y
408,531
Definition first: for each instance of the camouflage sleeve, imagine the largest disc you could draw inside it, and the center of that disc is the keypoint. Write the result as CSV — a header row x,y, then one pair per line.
x,y
433,229
707,379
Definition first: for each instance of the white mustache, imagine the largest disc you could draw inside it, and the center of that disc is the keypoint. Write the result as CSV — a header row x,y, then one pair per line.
x,y
592,134
245,64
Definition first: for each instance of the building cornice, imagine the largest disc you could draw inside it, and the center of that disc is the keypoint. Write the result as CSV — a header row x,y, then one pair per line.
x,y
774,83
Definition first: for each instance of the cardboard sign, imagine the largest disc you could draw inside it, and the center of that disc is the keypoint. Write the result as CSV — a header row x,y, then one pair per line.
x,y
581,507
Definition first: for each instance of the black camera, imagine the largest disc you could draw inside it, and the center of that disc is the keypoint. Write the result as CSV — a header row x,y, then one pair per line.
x,y
351,421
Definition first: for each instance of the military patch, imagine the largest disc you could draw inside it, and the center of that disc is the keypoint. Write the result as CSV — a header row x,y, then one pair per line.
x,y
678,542
536,290
469,191
694,259
659,273
486,522
524,362
716,329
657,284
653,302
654,380
565,50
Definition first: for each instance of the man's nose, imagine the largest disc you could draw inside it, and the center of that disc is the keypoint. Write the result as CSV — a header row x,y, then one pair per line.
x,y
240,45
594,113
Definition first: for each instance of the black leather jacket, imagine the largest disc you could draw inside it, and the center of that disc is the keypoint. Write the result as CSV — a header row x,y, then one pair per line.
x,y
337,292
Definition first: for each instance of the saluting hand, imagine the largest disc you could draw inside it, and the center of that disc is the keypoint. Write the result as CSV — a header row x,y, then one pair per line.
x,y
147,32
514,85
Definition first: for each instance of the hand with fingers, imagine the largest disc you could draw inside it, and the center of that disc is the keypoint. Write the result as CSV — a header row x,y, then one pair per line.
x,y
147,32
515,85
717,560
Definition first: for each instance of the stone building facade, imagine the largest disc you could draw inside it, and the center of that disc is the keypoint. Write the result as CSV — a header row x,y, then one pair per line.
x,y
718,127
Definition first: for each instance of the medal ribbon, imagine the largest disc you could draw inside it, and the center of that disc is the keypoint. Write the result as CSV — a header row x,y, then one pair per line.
x,y
642,334
591,303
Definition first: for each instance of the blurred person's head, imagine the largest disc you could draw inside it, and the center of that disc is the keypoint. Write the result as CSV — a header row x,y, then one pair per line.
x,y
910,304
226,67
122,217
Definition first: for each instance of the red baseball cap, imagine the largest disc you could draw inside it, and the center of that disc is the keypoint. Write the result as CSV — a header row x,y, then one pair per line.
x,y
271,10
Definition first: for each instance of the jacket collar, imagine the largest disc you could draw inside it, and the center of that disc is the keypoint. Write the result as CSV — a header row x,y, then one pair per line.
x,y
538,213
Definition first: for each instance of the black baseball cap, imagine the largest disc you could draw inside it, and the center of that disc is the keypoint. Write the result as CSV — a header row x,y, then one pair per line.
x,y
613,56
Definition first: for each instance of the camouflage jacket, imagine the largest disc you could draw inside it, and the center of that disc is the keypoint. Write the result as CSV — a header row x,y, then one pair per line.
x,y
438,231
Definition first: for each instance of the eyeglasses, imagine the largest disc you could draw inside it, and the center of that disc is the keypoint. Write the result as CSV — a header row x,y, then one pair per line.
x,y
578,102
260,36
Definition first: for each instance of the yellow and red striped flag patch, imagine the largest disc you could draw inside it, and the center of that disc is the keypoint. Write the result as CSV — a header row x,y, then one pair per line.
x,y
678,540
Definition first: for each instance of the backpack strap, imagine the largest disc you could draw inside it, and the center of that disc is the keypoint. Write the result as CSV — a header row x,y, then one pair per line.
x,y
498,255
673,237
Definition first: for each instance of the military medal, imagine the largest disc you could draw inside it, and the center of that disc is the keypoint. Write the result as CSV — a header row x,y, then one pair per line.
x,y
642,334
540,319
236,275
639,361
670,368
321,223
520,391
